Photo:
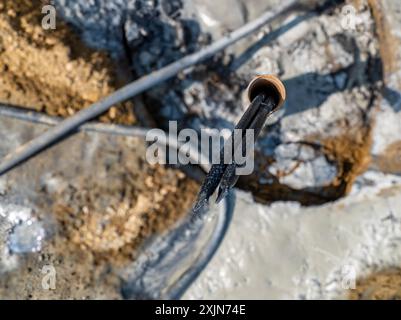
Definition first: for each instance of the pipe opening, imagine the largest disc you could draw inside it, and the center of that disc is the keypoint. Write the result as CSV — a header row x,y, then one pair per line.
x,y
268,85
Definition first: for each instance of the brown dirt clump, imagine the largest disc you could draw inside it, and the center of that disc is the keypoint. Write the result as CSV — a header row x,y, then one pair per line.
x,y
52,70
383,285
110,217
390,160
351,154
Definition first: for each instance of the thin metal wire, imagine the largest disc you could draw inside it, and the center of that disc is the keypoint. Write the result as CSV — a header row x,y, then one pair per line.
x,y
71,124
93,126
113,129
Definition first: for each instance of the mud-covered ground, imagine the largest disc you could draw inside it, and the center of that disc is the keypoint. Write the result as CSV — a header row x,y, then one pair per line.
x,y
339,126
348,248
86,206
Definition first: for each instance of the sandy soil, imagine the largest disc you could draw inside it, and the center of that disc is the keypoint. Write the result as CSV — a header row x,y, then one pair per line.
x,y
52,70
382,285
